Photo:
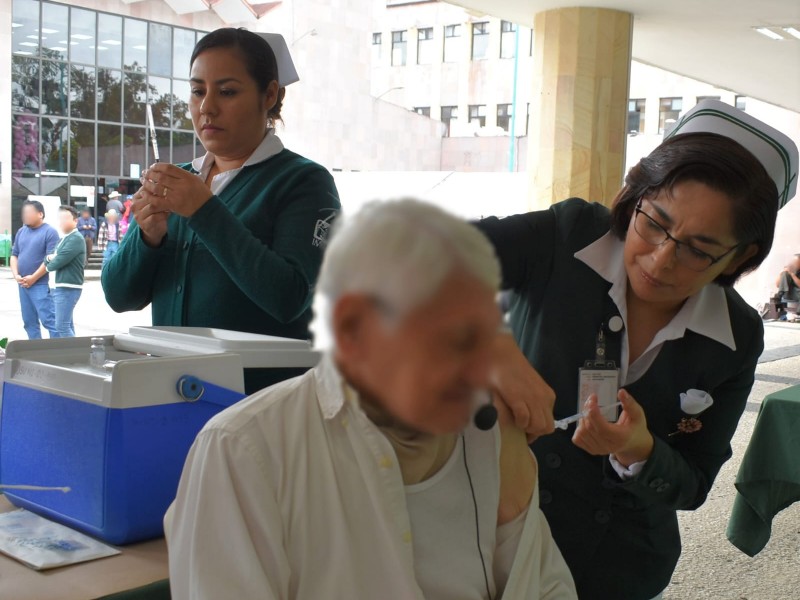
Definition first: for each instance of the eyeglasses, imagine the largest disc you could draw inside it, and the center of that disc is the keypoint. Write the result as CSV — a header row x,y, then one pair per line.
x,y
652,232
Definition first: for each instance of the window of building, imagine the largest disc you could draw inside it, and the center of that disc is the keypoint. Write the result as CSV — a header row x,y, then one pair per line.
x,y
477,114
452,39
701,98
425,46
399,48
741,102
669,111
425,111
636,115
76,76
528,119
504,113
480,40
449,113
377,44
508,39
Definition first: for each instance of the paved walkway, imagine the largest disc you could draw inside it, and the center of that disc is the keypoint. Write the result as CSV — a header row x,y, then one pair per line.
x,y
710,567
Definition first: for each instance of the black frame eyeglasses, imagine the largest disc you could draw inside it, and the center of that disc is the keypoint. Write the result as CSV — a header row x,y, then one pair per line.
x,y
654,233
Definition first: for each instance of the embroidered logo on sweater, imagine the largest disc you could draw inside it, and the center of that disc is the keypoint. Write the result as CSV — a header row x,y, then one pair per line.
x,y
322,229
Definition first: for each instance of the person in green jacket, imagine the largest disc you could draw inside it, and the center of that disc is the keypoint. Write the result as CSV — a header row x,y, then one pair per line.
x,y
67,261
641,296
235,239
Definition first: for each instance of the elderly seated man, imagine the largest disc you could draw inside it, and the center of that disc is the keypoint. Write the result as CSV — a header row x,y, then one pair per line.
x,y
788,284
365,478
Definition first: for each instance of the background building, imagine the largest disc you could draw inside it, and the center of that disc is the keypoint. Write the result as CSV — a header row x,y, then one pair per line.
x,y
396,97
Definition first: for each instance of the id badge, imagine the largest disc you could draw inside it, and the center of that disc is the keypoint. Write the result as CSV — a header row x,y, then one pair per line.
x,y
602,381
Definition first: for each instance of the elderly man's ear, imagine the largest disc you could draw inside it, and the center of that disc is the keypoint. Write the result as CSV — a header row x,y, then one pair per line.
x,y
353,316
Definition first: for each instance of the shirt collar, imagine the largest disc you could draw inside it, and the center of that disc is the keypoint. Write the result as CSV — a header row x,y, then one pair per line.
x,y
331,388
705,313
269,147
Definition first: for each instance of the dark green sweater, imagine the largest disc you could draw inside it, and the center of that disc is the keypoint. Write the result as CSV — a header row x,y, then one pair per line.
x,y
247,260
68,260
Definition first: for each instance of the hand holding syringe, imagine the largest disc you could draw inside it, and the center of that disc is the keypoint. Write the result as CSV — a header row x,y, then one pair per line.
x,y
564,423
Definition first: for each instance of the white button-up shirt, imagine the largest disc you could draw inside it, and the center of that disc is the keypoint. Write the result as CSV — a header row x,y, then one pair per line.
x,y
294,494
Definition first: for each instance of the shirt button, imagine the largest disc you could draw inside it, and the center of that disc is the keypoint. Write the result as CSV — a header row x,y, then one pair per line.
x,y
545,497
552,460
407,537
385,462
179,289
656,482
608,484
602,517
345,422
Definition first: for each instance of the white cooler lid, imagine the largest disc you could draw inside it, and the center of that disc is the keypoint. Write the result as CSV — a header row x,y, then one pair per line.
x,y
257,351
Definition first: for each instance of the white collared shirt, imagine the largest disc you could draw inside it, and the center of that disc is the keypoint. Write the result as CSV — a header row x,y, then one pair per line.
x,y
294,494
705,313
269,147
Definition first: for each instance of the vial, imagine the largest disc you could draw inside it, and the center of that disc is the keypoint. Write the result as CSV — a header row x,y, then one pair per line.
x,y
97,354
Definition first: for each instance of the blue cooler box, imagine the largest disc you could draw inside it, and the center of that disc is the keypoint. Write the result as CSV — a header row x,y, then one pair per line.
x,y
118,436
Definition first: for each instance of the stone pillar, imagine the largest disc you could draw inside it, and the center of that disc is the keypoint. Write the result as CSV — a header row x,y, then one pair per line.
x,y
582,60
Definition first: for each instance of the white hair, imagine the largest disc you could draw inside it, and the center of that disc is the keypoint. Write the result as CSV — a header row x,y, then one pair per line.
x,y
400,252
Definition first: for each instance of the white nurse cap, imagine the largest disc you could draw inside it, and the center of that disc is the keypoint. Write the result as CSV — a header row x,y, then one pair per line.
x,y
775,150
287,74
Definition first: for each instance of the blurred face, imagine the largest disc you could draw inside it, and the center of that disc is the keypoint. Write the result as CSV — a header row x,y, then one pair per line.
x,y
423,369
794,264
31,217
111,218
692,213
66,222
228,110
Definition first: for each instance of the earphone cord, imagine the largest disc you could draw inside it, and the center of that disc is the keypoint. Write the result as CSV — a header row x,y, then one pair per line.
x,y
477,521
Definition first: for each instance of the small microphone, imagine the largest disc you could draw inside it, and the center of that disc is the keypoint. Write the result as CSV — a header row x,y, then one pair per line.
x,y
485,417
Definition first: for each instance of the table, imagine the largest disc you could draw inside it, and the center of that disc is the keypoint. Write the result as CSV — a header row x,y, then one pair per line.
x,y
769,476
140,572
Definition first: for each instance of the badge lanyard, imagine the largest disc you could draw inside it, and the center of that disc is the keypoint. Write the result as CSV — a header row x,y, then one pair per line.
x,y
601,375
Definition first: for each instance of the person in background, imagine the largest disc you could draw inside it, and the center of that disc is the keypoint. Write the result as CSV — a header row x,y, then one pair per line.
x,y
87,226
109,236
647,284
33,242
366,477
235,239
67,261
114,203
788,284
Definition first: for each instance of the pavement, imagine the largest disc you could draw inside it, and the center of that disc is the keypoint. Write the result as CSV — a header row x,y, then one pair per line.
x,y
709,568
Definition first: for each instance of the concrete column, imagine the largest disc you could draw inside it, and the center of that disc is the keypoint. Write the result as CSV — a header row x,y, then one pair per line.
x,y
582,59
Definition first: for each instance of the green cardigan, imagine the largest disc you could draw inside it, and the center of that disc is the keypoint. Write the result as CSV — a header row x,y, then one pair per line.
x,y
619,538
68,260
247,260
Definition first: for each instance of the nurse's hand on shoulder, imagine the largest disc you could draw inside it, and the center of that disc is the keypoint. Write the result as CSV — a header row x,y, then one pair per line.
x,y
629,439
517,385
175,189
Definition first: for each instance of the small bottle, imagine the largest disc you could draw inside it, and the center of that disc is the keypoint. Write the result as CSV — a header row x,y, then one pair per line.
x,y
97,355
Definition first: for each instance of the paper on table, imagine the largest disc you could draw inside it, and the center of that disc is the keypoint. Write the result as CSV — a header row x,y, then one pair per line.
x,y
42,544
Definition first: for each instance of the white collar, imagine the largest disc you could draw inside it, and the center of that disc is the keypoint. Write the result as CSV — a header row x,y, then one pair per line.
x,y
705,313
269,147
331,387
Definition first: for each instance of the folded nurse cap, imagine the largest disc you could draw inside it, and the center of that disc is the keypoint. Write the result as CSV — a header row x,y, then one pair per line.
x,y
287,74
775,150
